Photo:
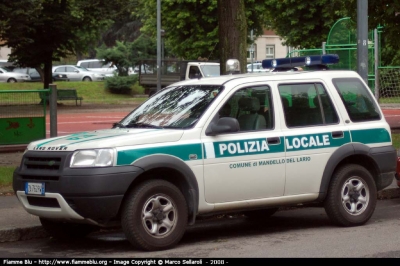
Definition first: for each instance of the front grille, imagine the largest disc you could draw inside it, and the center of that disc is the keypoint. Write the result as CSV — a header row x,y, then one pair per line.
x,y
40,178
48,163
43,202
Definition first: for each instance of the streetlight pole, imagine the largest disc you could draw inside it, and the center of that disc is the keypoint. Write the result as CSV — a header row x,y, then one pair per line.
x,y
158,45
252,50
362,39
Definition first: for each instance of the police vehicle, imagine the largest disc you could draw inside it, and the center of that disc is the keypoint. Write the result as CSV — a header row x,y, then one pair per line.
x,y
250,143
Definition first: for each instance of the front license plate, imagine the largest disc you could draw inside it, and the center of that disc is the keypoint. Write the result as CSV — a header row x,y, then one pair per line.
x,y
34,188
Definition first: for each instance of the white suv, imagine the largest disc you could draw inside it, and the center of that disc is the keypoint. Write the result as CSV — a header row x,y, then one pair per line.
x,y
98,65
247,143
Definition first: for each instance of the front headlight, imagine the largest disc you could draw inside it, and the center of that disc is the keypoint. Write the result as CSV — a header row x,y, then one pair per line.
x,y
93,158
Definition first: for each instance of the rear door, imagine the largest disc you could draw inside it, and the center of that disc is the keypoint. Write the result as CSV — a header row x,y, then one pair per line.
x,y
313,130
364,119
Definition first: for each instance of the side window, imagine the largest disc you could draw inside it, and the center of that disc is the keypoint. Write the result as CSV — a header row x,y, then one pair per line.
x,y
60,69
358,102
96,64
85,64
194,72
307,104
70,69
252,107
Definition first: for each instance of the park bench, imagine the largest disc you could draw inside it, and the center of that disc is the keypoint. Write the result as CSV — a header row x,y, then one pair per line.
x,y
63,94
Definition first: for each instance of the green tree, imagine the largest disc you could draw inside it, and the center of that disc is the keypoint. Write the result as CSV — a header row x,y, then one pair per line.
x,y
303,24
42,31
125,55
124,28
191,26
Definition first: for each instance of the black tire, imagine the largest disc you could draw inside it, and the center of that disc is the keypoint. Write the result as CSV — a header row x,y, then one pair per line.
x,y
149,198
11,80
63,230
261,214
87,79
351,197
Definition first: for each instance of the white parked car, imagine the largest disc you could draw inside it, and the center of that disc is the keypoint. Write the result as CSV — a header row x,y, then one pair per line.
x,y
77,73
257,67
98,65
11,77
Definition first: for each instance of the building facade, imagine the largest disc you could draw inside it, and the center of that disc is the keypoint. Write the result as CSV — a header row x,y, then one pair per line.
x,y
4,52
268,45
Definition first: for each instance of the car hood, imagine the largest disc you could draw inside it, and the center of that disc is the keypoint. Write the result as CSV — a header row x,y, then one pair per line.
x,y
107,138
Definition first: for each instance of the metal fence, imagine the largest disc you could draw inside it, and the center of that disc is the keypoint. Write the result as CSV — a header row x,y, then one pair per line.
x,y
22,116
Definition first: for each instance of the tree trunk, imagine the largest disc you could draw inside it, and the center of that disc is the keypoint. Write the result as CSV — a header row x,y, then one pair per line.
x,y
232,33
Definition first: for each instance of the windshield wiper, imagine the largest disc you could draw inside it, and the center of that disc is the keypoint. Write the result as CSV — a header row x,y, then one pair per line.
x,y
143,125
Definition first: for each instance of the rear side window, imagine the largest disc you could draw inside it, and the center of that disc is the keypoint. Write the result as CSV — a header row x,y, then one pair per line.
x,y
84,64
358,101
96,64
307,104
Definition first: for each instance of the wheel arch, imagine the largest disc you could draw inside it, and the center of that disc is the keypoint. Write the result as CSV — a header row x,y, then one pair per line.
x,y
355,153
174,170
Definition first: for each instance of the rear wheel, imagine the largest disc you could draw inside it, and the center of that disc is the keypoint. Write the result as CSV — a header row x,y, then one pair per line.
x,y
351,197
63,230
11,80
154,215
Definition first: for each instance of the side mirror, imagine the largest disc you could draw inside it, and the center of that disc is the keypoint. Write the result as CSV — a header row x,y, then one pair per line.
x,y
224,125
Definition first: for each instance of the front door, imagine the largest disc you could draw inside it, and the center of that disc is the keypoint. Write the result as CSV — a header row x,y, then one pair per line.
x,y
248,164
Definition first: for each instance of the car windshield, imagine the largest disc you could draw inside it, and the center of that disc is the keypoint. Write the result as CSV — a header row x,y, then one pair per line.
x,y
4,69
175,107
210,70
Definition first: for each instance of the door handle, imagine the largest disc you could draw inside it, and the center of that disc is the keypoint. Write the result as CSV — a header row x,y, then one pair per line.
x,y
337,134
275,140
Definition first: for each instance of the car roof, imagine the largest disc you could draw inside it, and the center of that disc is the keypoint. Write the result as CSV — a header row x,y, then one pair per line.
x,y
269,76
90,60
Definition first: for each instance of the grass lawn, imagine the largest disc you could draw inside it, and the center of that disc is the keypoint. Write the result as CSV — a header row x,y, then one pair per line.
x,y
92,92
396,140
6,173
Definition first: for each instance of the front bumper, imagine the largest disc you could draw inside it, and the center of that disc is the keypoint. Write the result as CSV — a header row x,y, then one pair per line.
x,y
85,193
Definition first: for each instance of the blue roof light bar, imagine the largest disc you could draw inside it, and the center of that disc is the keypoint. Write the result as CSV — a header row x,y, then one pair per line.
x,y
310,60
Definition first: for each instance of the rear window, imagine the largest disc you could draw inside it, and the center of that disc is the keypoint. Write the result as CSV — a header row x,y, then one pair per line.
x,y
356,98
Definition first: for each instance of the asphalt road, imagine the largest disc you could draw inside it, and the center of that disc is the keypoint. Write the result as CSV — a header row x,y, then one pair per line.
x,y
296,233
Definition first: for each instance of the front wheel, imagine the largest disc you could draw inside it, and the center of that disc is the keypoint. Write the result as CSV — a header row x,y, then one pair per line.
x,y
11,80
351,197
154,215
87,79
